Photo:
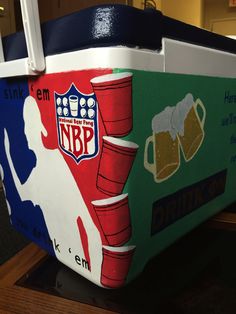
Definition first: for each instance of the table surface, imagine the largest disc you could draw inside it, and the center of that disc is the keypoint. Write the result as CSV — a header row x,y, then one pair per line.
x,y
17,299
197,274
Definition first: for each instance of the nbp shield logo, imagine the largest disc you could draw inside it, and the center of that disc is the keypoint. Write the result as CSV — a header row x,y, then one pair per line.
x,y
77,123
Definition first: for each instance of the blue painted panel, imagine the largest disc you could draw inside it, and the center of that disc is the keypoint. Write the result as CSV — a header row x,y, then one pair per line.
x,y
26,218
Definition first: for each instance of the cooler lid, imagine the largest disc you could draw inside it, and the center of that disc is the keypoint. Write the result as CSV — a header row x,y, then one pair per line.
x,y
112,25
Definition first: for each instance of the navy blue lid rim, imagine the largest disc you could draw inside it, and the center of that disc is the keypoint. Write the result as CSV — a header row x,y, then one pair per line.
x,y
184,32
111,25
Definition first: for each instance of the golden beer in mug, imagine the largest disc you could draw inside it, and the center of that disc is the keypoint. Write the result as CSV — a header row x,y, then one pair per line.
x,y
190,130
165,144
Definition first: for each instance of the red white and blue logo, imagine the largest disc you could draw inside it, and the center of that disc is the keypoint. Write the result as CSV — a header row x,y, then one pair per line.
x,y
77,123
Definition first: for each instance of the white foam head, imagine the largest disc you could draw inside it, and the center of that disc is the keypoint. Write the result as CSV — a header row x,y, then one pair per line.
x,y
180,113
162,122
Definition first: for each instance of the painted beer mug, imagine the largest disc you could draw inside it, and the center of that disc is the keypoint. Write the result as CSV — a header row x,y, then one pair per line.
x,y
166,156
188,125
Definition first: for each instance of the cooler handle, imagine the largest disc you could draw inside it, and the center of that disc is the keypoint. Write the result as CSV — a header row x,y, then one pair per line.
x,y
31,24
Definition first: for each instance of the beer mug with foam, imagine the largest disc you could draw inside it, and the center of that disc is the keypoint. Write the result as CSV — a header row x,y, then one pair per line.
x,y
189,126
166,157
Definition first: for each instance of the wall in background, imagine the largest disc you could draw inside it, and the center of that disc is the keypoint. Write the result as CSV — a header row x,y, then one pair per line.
x,y
56,8
219,16
190,11
7,17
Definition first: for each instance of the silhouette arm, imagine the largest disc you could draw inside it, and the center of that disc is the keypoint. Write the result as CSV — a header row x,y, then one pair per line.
x,y
19,186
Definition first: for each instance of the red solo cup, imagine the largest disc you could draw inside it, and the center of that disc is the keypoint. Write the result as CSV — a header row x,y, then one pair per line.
x,y
114,96
114,216
115,265
116,160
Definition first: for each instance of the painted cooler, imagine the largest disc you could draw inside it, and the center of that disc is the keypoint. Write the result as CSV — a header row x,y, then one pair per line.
x,y
125,143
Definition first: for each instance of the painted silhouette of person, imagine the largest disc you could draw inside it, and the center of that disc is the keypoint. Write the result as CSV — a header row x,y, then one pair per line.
x,y
51,185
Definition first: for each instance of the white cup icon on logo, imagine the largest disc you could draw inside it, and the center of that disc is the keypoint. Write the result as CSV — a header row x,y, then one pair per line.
x,y
188,125
74,104
165,144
